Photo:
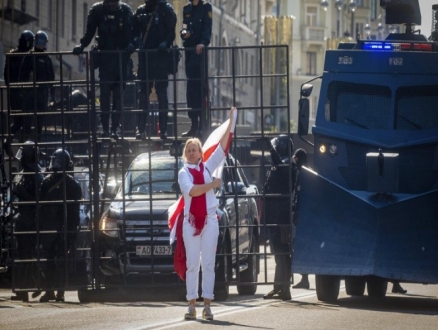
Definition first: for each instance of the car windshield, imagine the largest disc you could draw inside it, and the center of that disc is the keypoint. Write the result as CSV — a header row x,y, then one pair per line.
x,y
160,177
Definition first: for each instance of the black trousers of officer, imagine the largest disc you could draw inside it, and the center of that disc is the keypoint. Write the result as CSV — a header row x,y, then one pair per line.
x,y
54,269
34,101
283,258
24,222
196,84
110,77
154,73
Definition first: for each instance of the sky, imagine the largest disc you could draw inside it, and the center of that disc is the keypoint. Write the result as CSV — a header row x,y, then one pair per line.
x,y
426,15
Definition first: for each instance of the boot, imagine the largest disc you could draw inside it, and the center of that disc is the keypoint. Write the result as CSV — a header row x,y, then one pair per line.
x,y
49,295
397,288
192,131
140,135
163,126
303,284
114,134
270,294
60,296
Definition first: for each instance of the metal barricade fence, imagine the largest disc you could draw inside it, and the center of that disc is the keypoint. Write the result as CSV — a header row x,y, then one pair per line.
x,y
127,183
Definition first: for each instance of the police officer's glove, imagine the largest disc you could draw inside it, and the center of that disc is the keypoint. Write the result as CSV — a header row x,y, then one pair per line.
x,y
130,48
78,50
162,47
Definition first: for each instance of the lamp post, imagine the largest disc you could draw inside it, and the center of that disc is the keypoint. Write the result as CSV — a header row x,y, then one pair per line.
x,y
325,4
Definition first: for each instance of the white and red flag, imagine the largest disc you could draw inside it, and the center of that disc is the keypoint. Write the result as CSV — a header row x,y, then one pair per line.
x,y
209,146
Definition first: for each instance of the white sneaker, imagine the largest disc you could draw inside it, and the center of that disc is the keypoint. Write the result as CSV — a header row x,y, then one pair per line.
x,y
207,314
191,313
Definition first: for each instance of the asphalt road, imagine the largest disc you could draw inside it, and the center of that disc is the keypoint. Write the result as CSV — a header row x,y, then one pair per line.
x,y
418,309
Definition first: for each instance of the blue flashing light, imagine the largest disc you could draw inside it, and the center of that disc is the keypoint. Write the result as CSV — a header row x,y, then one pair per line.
x,y
378,46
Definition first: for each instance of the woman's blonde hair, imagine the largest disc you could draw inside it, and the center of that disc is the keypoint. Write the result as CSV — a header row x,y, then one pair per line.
x,y
194,141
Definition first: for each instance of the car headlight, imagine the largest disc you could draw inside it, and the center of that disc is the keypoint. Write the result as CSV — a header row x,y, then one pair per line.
x,y
108,226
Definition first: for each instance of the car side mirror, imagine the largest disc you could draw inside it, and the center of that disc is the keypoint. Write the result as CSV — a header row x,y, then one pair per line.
x,y
303,109
303,117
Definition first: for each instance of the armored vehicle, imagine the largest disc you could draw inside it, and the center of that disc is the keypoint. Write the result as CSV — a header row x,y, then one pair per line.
x,y
368,210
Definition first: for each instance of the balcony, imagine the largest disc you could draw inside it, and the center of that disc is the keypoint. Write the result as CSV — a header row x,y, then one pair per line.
x,y
312,33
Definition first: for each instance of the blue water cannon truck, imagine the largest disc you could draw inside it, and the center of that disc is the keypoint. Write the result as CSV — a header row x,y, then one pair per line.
x,y
368,208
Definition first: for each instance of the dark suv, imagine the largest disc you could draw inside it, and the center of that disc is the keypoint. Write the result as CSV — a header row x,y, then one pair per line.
x,y
134,234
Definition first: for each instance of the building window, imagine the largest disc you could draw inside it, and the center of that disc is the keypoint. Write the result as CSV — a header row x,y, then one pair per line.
x,y
73,19
311,63
311,18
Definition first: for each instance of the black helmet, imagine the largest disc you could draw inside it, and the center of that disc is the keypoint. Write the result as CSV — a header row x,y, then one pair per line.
x,y
28,154
112,5
25,42
41,40
282,144
61,161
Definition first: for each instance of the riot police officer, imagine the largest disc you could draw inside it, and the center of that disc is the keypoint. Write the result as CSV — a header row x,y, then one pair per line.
x,y
113,21
154,28
35,69
25,189
278,180
62,216
12,73
196,33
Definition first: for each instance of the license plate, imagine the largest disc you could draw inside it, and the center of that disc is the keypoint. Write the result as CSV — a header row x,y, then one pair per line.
x,y
159,250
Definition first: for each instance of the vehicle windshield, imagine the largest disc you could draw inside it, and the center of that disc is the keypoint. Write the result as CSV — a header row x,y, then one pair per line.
x,y
160,178
361,105
369,106
416,107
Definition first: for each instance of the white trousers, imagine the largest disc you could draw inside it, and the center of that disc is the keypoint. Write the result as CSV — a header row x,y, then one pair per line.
x,y
201,250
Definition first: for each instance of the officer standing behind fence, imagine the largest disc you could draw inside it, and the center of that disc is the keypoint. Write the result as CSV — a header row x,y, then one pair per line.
x,y
154,28
113,21
277,182
63,217
300,158
37,69
11,74
196,33
25,189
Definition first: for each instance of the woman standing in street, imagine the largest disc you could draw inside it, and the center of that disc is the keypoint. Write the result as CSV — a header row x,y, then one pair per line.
x,y
200,228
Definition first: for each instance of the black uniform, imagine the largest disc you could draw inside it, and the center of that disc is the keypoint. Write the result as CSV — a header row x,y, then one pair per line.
x,y
11,74
26,188
114,32
61,217
154,28
276,213
198,21
36,68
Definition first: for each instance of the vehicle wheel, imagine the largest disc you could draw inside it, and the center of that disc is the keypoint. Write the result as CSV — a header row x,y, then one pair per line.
x,y
223,274
327,287
377,287
355,285
249,274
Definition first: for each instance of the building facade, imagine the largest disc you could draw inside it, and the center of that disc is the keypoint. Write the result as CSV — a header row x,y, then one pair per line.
x,y
320,25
